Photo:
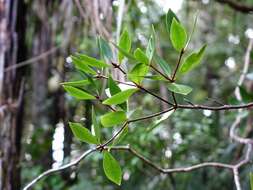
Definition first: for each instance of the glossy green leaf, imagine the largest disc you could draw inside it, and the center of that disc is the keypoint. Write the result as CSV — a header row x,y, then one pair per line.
x,y
113,87
251,180
112,168
92,61
138,73
151,48
169,17
119,97
82,133
79,83
125,53
178,35
163,64
96,125
125,44
113,118
192,60
105,49
77,93
179,88
80,65
141,56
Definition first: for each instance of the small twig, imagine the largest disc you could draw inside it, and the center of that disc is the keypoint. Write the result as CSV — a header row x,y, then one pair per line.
x,y
178,63
159,72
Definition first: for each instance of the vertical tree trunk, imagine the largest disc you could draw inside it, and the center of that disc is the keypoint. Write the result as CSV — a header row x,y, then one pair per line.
x,y
11,98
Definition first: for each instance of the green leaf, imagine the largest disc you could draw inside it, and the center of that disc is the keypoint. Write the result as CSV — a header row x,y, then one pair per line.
x,y
141,56
251,180
112,168
113,118
179,88
178,35
105,49
125,44
79,83
246,97
96,125
138,73
119,97
113,87
192,60
82,66
124,52
82,133
151,48
77,93
169,17
92,61
163,64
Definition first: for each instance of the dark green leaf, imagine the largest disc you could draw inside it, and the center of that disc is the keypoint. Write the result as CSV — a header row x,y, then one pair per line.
x,y
77,93
192,60
82,66
178,35
82,133
163,64
179,88
105,49
119,97
96,125
79,83
92,61
138,73
169,17
112,168
113,118
125,44
246,97
141,56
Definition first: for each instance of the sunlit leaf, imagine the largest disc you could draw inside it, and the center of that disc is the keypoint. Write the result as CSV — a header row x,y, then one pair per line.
x,y
119,97
138,72
82,133
79,83
141,56
179,88
77,93
113,118
96,125
112,168
178,35
163,64
169,17
125,44
82,66
192,60
105,49
92,61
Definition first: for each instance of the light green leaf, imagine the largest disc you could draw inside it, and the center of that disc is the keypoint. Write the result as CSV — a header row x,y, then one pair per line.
x,y
192,60
151,48
138,73
82,133
124,52
113,118
92,61
169,17
125,44
79,83
178,35
82,66
105,49
96,125
179,88
119,97
141,56
112,168
77,93
163,64
251,180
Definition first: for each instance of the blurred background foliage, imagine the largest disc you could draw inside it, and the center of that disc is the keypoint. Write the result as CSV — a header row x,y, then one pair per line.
x,y
187,137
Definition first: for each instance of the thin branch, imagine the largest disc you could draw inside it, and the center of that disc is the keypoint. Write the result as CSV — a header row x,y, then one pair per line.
x,y
243,8
159,72
178,64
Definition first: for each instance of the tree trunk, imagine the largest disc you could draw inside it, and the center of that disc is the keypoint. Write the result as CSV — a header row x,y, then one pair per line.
x,y
12,50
